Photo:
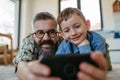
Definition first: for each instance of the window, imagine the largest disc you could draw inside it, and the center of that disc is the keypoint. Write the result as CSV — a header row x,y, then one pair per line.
x,y
67,3
9,19
90,8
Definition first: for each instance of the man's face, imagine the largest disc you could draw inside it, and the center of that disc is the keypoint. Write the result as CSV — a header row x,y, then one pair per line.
x,y
48,39
74,29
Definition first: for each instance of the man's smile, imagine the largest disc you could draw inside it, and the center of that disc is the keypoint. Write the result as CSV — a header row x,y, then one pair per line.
x,y
46,46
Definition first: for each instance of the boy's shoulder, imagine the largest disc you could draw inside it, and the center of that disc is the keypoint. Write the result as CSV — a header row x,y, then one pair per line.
x,y
64,42
94,35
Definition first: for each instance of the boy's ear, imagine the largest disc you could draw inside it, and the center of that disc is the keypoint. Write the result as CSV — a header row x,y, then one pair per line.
x,y
88,24
62,34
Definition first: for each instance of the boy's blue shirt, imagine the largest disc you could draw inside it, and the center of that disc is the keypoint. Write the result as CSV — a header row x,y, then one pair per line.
x,y
97,43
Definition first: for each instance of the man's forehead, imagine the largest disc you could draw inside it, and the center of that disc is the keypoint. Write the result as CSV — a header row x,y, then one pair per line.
x,y
47,30
45,25
45,22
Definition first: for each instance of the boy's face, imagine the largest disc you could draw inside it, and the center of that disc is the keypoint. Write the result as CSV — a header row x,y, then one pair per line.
x,y
74,29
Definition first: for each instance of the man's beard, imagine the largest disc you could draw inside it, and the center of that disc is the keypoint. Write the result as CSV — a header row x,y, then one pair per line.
x,y
45,52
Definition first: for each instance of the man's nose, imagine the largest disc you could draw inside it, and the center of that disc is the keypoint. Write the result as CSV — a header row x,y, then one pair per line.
x,y
46,36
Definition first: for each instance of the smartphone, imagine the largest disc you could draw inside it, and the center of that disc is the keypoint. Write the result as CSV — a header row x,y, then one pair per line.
x,y
66,66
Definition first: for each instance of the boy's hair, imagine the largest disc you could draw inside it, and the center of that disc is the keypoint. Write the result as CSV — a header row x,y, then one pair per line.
x,y
43,16
67,13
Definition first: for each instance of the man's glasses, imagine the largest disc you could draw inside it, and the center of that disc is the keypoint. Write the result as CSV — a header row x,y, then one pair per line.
x,y
51,33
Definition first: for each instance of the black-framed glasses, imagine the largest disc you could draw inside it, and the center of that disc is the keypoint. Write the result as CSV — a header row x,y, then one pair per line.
x,y
51,33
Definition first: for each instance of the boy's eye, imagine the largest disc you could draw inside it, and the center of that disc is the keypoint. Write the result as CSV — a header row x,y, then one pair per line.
x,y
77,26
66,30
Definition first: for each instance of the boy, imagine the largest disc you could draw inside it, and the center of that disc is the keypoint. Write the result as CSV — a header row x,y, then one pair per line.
x,y
77,39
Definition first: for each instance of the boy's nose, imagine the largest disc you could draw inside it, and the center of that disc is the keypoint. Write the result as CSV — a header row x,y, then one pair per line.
x,y
46,37
73,32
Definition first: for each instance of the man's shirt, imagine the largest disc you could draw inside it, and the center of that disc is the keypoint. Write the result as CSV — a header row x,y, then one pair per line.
x,y
28,51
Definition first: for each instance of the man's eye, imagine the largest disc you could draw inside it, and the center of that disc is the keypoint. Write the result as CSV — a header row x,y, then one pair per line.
x,y
40,32
52,32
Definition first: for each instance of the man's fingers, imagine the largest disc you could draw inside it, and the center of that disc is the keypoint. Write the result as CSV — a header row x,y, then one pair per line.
x,y
92,71
39,69
99,59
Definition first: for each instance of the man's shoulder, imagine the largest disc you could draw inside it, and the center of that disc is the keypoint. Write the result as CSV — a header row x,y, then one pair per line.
x,y
28,38
27,44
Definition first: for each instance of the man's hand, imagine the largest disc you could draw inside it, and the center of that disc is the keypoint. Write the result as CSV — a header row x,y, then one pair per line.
x,y
90,72
34,71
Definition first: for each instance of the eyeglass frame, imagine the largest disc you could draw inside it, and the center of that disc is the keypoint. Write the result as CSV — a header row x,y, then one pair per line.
x,y
48,33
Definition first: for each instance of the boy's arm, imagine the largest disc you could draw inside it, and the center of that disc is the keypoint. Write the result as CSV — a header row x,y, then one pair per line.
x,y
84,47
60,49
63,48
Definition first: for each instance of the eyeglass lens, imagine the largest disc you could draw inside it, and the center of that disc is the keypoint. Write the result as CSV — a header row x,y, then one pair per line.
x,y
51,33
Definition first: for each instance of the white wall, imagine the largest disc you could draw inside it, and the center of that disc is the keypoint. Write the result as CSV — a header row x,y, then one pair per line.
x,y
45,5
30,8
108,15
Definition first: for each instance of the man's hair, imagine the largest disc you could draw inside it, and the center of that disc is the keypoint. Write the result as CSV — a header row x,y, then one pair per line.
x,y
43,16
67,13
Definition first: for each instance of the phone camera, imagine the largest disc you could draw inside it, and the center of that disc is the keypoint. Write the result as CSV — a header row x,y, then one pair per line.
x,y
70,70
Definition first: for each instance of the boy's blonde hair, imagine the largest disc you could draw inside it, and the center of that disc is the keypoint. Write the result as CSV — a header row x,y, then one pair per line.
x,y
67,13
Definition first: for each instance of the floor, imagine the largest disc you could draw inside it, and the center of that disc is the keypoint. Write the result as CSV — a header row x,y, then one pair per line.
x,y
7,73
115,73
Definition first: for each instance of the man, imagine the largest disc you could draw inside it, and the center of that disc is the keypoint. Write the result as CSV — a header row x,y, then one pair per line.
x,y
44,41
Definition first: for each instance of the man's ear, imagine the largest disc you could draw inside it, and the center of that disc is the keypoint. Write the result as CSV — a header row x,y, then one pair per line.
x,y
61,34
88,24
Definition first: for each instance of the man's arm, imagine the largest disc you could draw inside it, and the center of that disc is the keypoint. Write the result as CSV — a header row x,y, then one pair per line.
x,y
26,68
25,51
34,71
